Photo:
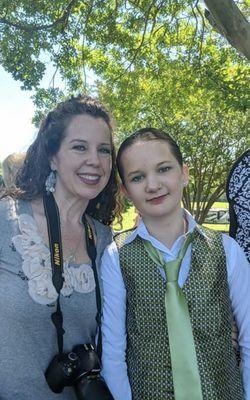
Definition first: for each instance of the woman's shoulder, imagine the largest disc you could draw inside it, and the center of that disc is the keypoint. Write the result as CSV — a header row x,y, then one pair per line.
x,y
7,206
10,211
99,227
103,232
11,207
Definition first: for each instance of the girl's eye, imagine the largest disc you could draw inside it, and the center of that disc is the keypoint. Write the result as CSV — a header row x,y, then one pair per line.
x,y
137,178
79,147
164,169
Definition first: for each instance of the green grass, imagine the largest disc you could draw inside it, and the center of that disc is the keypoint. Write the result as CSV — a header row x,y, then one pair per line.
x,y
221,204
130,216
218,227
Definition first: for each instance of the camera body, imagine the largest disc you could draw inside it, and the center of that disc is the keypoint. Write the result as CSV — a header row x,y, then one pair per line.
x,y
79,368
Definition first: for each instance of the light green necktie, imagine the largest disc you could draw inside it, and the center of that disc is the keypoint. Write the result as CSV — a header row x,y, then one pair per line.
x,y
186,378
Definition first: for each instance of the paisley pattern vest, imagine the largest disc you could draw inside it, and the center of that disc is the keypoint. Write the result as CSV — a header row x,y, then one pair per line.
x,y
238,196
207,294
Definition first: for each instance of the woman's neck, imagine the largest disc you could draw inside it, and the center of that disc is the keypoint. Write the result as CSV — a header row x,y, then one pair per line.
x,y
167,230
71,209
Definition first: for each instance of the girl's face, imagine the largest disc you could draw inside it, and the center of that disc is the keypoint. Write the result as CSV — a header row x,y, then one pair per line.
x,y
83,162
153,179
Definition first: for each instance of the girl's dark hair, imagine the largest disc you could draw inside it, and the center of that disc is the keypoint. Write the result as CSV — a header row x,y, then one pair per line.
x,y
30,181
147,134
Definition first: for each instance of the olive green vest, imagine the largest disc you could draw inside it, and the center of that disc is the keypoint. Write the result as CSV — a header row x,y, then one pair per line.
x,y
207,294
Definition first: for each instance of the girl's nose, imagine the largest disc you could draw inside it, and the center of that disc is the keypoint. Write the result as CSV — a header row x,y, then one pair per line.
x,y
152,185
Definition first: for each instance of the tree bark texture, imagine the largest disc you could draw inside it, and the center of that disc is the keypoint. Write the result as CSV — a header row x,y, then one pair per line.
x,y
231,23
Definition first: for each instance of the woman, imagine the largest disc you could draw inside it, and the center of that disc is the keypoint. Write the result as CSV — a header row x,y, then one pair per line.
x,y
73,158
171,289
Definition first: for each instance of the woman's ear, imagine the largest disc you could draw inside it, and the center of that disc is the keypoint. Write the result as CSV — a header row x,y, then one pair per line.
x,y
52,164
185,175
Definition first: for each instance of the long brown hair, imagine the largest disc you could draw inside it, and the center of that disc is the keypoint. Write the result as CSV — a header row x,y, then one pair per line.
x,y
31,178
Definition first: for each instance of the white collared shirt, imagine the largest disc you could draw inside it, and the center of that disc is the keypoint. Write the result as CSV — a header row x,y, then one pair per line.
x,y
114,307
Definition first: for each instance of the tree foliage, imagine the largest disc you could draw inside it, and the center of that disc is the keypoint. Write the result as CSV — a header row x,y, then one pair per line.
x,y
203,106
71,33
154,62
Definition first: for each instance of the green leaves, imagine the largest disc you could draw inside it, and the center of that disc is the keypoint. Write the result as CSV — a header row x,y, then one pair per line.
x,y
154,63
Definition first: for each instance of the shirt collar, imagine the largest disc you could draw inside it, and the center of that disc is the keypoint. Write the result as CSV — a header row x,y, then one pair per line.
x,y
142,231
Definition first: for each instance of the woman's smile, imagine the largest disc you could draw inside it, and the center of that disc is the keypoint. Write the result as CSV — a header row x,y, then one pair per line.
x,y
89,178
83,162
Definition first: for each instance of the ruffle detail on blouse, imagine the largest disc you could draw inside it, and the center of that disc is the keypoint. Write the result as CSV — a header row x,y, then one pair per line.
x,y
37,266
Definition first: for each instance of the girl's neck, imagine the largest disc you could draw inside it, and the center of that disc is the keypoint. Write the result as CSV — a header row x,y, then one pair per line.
x,y
167,230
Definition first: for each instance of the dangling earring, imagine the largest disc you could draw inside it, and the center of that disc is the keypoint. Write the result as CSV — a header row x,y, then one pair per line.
x,y
50,182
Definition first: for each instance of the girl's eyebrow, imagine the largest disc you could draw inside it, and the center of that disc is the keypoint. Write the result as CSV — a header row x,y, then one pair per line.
x,y
133,172
85,141
157,165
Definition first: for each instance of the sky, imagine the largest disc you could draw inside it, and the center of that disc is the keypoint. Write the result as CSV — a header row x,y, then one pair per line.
x,y
16,112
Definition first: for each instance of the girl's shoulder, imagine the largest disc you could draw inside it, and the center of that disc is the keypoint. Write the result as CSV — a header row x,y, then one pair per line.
x,y
120,237
212,233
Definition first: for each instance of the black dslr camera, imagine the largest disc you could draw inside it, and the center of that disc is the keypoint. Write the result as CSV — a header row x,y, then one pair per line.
x,y
81,369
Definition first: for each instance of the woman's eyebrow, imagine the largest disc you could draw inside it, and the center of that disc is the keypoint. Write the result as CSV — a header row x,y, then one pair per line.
x,y
164,162
78,140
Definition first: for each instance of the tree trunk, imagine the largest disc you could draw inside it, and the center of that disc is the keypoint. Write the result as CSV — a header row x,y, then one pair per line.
x,y
231,23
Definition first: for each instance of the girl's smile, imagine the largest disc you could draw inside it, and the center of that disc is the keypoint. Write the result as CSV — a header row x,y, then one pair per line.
x,y
158,199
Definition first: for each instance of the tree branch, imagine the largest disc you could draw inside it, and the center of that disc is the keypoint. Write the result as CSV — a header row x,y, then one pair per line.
x,y
31,28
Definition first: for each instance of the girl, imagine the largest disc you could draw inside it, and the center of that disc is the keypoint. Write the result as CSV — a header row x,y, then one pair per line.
x,y
147,352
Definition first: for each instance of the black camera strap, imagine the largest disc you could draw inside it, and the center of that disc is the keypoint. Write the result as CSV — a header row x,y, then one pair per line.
x,y
56,255
91,250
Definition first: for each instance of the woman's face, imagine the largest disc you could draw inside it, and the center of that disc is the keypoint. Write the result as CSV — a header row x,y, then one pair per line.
x,y
153,179
83,162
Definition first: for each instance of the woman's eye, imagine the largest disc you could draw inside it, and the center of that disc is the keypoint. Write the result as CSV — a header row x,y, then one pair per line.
x,y
79,147
105,150
164,169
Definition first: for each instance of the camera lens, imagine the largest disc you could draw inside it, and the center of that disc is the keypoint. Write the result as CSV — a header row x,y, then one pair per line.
x,y
72,356
70,367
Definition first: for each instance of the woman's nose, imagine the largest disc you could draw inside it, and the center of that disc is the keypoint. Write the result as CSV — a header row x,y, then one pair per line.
x,y
93,158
